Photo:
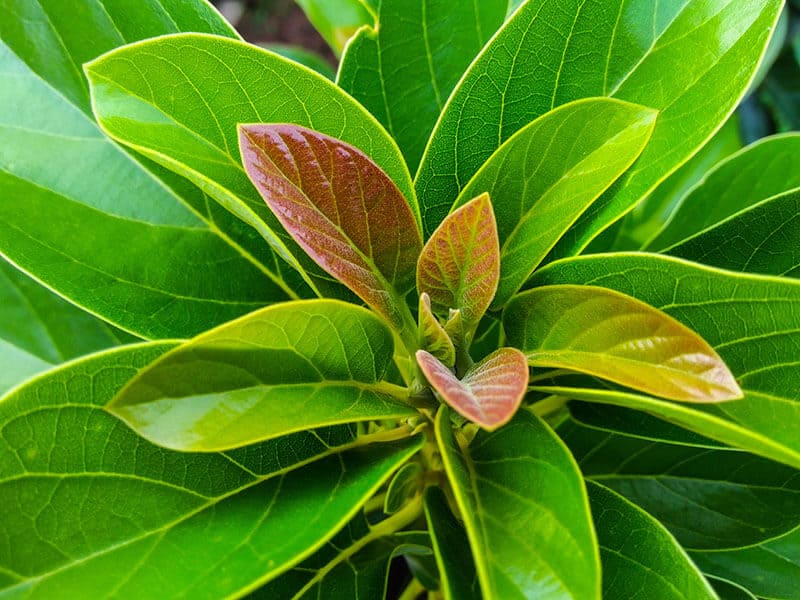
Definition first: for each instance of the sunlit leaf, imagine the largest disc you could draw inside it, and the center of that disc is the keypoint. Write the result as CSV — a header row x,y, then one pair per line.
x,y
607,334
339,207
432,336
337,20
489,393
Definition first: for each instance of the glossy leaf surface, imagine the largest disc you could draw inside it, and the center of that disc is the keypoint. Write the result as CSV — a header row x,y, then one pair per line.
x,y
750,320
550,171
489,393
339,207
337,20
708,498
432,336
51,155
525,511
265,507
762,239
459,580
640,558
771,569
197,136
760,171
460,264
404,69
286,368
305,57
39,329
552,52
610,335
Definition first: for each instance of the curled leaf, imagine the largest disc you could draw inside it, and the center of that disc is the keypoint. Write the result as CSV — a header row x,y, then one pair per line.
x,y
610,335
490,392
432,336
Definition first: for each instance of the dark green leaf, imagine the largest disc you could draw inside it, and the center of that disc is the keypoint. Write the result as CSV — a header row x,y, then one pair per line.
x,y
758,172
197,136
610,335
781,92
459,266
727,590
691,60
640,558
762,239
404,70
525,511
337,20
404,485
708,498
459,580
488,394
550,171
346,214
90,506
751,321
286,368
770,570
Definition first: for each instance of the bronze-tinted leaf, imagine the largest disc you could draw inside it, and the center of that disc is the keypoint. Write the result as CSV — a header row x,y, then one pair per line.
x,y
490,392
340,207
460,264
613,336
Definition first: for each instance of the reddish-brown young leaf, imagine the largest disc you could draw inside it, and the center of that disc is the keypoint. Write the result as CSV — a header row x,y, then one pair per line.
x,y
340,207
460,264
490,392
432,336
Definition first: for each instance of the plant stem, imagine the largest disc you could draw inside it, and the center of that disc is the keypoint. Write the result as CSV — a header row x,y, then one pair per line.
x,y
412,591
408,514
548,406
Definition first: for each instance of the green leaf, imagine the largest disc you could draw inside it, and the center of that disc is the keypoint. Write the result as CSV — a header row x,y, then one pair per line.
x,y
460,264
550,171
432,336
690,60
640,558
337,20
759,171
340,208
404,485
249,514
708,498
459,580
771,569
762,239
197,136
781,92
727,590
49,165
488,394
286,368
303,56
750,320
39,329
649,216
404,70
610,335
525,511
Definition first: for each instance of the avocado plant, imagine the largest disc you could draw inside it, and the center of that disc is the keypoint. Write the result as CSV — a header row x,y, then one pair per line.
x,y
247,354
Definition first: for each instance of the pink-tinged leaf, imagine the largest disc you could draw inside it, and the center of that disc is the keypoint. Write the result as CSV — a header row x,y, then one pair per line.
x,y
340,207
607,334
460,264
490,392
432,336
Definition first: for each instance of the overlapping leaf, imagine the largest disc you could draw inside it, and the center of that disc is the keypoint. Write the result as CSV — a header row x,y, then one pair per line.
x,y
639,556
251,513
489,393
525,511
610,335
550,171
553,52
750,320
337,20
760,171
340,208
404,70
286,368
432,335
708,498
459,266
220,83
